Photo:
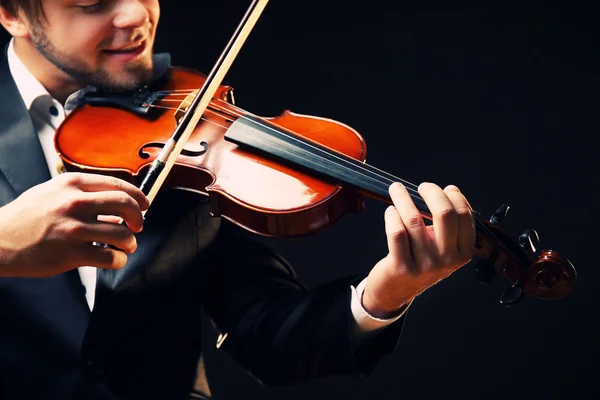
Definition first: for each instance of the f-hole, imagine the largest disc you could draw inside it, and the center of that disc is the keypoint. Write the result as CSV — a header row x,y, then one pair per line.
x,y
190,153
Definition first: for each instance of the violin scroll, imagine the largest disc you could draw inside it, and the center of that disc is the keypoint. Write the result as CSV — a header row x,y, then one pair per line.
x,y
551,276
547,276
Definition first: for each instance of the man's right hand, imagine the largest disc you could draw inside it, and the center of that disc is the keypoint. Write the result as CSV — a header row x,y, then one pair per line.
x,y
50,228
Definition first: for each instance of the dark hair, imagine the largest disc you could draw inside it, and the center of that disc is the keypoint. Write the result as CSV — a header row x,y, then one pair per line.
x,y
33,9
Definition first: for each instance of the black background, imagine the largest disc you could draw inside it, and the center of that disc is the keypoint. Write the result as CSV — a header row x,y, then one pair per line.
x,y
499,99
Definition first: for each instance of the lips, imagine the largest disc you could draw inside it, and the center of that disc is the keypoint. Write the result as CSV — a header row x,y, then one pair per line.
x,y
128,52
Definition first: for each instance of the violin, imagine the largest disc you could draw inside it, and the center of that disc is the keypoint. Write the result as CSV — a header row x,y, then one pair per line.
x,y
283,176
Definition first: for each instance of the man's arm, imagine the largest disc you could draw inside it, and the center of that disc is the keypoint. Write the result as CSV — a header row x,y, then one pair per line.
x,y
276,328
366,327
48,229
271,324
270,319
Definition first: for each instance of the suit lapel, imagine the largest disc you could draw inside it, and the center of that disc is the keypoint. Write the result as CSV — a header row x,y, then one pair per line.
x,y
22,160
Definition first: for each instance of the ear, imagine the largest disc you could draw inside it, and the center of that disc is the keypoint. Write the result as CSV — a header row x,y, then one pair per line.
x,y
16,25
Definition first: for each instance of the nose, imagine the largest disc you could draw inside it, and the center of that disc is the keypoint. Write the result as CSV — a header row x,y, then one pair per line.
x,y
130,14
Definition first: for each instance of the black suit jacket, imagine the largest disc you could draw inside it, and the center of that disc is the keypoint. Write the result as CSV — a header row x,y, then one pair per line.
x,y
143,339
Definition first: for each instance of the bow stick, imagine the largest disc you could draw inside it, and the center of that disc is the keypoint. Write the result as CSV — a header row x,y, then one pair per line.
x,y
161,166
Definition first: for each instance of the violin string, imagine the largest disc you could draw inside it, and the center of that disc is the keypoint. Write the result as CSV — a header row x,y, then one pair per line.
x,y
384,180
379,178
163,107
180,101
388,181
173,108
477,220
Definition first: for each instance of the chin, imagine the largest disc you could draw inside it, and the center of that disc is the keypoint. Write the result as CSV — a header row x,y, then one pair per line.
x,y
126,86
127,80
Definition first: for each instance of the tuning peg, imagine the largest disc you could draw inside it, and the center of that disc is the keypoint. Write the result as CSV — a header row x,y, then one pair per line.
x,y
499,215
511,296
485,271
529,240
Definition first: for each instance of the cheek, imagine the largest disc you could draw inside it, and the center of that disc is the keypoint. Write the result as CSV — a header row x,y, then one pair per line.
x,y
82,40
154,11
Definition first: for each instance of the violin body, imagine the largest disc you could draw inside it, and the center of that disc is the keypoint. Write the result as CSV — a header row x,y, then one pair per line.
x,y
284,176
255,192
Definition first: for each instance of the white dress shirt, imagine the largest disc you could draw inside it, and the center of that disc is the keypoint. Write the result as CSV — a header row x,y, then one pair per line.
x,y
47,114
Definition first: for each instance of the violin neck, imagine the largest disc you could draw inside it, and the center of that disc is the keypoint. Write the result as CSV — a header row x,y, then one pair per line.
x,y
252,133
269,140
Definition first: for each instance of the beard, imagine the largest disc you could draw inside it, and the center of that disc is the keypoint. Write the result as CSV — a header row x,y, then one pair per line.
x,y
137,73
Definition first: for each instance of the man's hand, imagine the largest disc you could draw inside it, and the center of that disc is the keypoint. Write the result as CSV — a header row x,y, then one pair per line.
x,y
419,255
50,228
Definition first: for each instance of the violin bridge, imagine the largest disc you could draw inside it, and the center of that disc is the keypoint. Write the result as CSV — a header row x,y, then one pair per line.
x,y
230,98
184,106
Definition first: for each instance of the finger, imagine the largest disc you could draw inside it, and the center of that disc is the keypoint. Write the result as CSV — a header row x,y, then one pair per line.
x,y
453,188
445,221
99,183
100,257
397,237
116,235
109,218
90,205
466,222
419,242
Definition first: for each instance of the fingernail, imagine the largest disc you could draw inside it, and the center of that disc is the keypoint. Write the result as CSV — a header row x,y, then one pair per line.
x,y
424,184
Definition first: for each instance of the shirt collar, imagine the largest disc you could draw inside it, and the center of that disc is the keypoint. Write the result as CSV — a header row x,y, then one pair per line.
x,y
29,87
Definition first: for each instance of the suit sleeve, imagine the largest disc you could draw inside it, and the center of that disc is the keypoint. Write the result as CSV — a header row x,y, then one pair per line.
x,y
144,336
275,327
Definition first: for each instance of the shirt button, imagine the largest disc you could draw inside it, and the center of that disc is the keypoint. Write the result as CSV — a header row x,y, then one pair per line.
x,y
53,111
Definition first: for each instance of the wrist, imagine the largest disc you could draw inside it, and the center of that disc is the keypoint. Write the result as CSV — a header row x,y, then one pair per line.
x,y
380,308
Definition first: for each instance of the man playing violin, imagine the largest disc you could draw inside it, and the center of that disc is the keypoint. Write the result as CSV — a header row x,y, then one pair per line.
x,y
88,322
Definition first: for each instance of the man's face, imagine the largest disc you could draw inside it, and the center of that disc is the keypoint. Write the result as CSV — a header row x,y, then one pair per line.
x,y
104,43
